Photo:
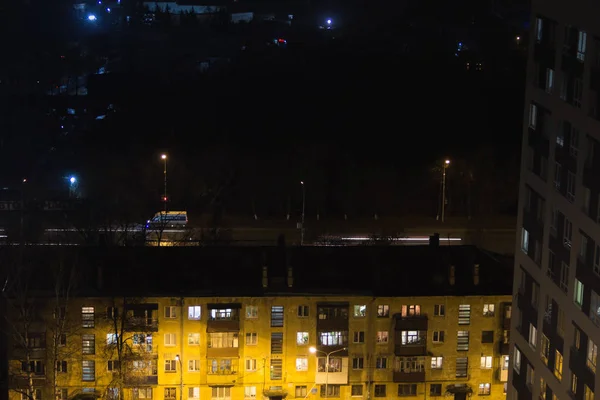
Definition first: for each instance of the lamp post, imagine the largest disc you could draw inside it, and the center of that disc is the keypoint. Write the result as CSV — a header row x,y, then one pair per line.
x,y
180,377
446,164
314,350
303,209
164,158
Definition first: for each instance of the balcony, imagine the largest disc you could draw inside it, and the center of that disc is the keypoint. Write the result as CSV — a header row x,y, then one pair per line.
x,y
502,374
401,376
223,317
140,380
141,324
338,376
503,347
410,323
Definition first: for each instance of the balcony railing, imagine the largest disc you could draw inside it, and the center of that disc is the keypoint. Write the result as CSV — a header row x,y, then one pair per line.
x,y
141,324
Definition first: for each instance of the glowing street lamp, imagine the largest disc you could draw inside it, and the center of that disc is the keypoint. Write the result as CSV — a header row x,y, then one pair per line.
x,y
165,198
92,18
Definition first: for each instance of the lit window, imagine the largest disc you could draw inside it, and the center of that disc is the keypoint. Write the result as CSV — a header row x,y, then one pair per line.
x,y
301,364
484,389
194,312
592,355
578,293
486,362
301,338
360,311
437,362
488,310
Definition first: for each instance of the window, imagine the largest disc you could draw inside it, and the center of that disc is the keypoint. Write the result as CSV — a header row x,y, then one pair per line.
x,y
411,310
578,293
170,393
595,308
276,342
544,349
251,312
332,313
577,338
437,362
517,360
560,323
221,393
62,394
35,366
543,389
112,338
335,364
276,369
532,336
486,362
360,311
383,311
301,338
170,365
549,80
570,186
356,391
301,364
596,267
358,363
194,312
532,116
170,312
333,338
358,337
410,364
301,391
524,240
462,367
35,395
592,355
381,363
462,341
194,392
113,365
193,365
409,389
574,142
142,393
577,92
88,370
558,365
557,175
193,339
277,316
88,344
222,366
170,339
251,338
484,389
588,394
303,311
223,314
583,246
250,364
439,310
112,313
87,317
435,389
412,338
220,340
581,45
380,390
61,366
487,336
382,337
332,391
488,310
564,277
249,392
438,337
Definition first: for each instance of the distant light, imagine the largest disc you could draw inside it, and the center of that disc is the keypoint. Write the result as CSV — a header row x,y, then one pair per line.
x,y
24,180
447,162
91,17
72,180
108,10
302,182
518,37
328,22
163,156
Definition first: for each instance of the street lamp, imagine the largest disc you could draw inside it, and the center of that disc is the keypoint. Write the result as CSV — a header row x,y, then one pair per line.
x,y
164,158
446,164
72,185
180,377
314,350
303,209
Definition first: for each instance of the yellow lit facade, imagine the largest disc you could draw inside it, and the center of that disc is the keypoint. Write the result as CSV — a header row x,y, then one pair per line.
x,y
220,348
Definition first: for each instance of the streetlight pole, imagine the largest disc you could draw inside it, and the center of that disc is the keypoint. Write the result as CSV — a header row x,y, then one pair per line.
x,y
180,377
164,158
314,350
446,164
303,209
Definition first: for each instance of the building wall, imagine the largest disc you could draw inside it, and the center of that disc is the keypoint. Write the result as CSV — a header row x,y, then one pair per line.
x,y
557,277
371,350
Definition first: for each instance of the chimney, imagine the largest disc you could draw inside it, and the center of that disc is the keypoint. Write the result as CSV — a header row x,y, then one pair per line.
x,y
476,274
434,240
452,275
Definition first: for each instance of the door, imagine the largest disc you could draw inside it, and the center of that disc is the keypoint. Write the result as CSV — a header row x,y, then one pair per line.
x,y
276,398
460,396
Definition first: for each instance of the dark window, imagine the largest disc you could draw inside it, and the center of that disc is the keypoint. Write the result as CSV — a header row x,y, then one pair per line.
x,y
277,316
435,389
276,369
407,390
276,343
487,337
380,391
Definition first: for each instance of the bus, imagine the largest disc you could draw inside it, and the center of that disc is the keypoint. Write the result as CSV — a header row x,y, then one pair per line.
x,y
168,219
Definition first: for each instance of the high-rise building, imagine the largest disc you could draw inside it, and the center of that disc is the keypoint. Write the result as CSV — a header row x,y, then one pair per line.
x,y
435,325
556,324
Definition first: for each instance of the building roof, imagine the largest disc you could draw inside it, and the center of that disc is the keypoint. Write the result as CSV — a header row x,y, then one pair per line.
x,y
238,271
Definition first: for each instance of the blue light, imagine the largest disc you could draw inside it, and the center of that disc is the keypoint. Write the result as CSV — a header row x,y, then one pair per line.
x,y
328,22
91,17
72,180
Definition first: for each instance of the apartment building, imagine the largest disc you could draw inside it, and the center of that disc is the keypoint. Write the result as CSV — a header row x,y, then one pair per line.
x,y
556,324
444,333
